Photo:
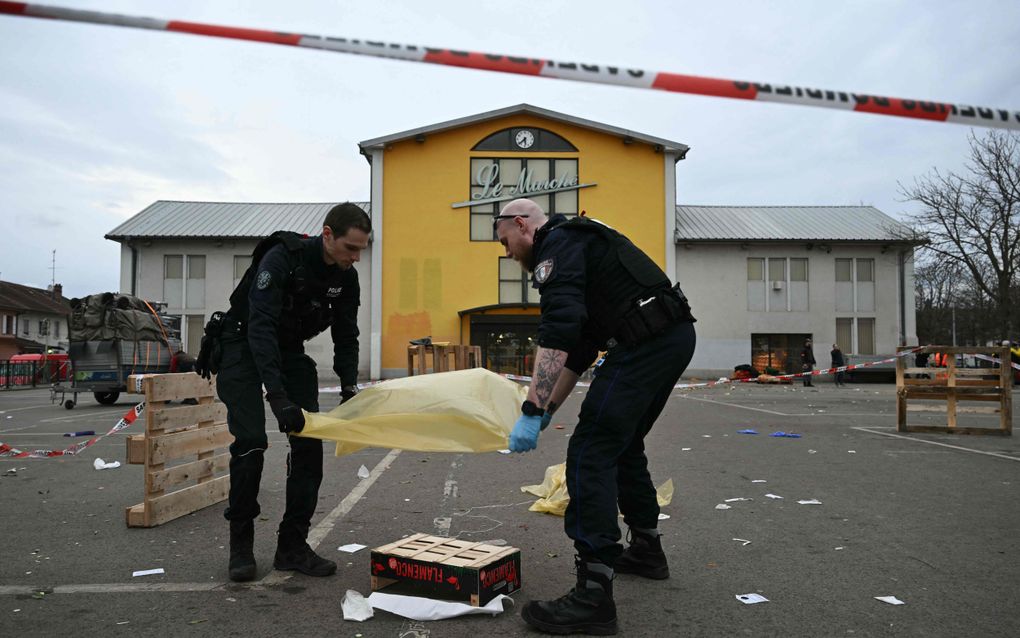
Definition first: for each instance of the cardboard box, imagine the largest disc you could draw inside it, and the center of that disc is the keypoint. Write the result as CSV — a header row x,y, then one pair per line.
x,y
446,569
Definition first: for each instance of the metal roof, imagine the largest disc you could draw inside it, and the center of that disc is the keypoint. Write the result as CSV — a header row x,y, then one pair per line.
x,y
222,220
786,223
379,142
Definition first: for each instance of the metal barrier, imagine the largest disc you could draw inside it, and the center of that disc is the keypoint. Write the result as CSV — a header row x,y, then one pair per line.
x,y
30,374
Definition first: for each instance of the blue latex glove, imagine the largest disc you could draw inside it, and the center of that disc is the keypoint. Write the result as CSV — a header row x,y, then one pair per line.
x,y
546,420
524,436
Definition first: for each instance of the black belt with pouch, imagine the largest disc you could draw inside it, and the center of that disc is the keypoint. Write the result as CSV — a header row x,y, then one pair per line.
x,y
651,315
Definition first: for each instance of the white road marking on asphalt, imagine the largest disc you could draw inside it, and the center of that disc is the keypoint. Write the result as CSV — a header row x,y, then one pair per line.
x,y
30,407
954,447
315,537
827,414
442,523
325,526
111,588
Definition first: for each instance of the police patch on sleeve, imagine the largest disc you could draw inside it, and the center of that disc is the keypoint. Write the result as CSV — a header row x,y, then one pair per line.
x,y
543,271
262,282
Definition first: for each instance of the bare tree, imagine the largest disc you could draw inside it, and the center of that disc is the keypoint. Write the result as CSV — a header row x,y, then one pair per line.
x,y
973,220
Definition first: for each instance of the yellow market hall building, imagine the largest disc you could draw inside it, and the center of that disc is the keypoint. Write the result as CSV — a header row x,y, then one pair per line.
x,y
434,268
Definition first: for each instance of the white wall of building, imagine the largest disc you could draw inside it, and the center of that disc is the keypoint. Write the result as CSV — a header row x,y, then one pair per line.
x,y
219,283
28,327
714,278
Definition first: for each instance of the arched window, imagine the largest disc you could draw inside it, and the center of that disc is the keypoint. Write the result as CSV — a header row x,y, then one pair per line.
x,y
525,139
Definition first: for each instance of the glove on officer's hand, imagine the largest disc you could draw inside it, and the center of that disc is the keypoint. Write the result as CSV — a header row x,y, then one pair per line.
x,y
347,393
524,436
203,363
546,420
289,416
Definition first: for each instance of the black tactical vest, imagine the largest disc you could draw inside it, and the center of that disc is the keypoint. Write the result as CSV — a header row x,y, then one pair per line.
x,y
304,314
618,274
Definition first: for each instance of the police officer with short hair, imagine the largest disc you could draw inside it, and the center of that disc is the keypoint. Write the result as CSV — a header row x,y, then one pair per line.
x,y
599,291
295,289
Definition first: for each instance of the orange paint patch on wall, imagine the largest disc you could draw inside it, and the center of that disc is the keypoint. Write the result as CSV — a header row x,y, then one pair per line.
x,y
400,329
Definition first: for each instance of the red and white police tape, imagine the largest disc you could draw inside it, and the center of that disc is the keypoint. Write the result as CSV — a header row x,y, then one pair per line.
x,y
7,451
726,380
985,357
601,74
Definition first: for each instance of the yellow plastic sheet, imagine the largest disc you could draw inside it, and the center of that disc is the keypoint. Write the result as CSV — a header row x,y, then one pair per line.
x,y
462,411
553,498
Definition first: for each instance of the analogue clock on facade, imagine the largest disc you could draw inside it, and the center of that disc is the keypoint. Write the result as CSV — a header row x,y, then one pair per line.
x,y
524,139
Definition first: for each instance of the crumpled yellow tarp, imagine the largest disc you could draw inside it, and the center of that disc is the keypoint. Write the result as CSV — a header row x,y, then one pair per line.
x,y
553,498
463,411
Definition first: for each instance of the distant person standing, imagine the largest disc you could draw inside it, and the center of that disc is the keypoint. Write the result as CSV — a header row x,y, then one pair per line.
x,y
838,360
807,362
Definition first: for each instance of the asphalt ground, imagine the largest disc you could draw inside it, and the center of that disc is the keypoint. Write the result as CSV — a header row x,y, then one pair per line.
x,y
931,519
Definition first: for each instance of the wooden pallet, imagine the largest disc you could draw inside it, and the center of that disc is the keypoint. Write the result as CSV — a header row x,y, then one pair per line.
x,y
953,385
179,447
464,357
446,568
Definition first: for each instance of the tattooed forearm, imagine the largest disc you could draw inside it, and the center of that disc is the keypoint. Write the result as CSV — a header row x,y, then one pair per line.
x,y
548,365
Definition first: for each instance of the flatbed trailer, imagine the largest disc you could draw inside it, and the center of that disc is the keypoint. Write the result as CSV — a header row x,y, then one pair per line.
x,y
103,367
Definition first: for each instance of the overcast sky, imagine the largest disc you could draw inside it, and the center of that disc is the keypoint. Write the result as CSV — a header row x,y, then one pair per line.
x,y
97,122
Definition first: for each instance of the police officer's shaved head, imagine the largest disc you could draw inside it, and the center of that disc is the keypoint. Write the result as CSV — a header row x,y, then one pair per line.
x,y
522,208
343,217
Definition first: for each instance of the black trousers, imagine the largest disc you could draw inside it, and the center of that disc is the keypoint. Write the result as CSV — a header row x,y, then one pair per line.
x,y
239,386
606,463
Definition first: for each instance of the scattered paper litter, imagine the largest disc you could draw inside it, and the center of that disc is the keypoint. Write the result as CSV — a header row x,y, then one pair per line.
x,y
355,607
350,548
812,451
810,501
739,498
706,436
148,572
892,600
417,608
663,517
363,472
722,506
838,548
100,464
504,451
773,496
851,451
743,540
747,431
750,599
685,449
759,481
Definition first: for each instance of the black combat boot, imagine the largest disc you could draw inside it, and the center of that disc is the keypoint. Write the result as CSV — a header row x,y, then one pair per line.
x,y
643,557
300,557
242,557
588,608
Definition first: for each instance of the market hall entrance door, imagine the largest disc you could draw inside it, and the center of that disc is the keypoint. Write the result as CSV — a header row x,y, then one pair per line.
x,y
778,351
508,342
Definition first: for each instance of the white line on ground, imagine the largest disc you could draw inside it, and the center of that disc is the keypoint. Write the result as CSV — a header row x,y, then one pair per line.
x,y
28,407
316,536
325,526
954,447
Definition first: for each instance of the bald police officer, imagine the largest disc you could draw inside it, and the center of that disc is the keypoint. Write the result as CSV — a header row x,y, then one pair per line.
x,y
295,289
598,291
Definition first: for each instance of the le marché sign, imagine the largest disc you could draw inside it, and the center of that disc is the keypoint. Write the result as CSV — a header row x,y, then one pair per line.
x,y
494,190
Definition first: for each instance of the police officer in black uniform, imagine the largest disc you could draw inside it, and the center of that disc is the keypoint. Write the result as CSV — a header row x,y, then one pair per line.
x,y
295,289
599,291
